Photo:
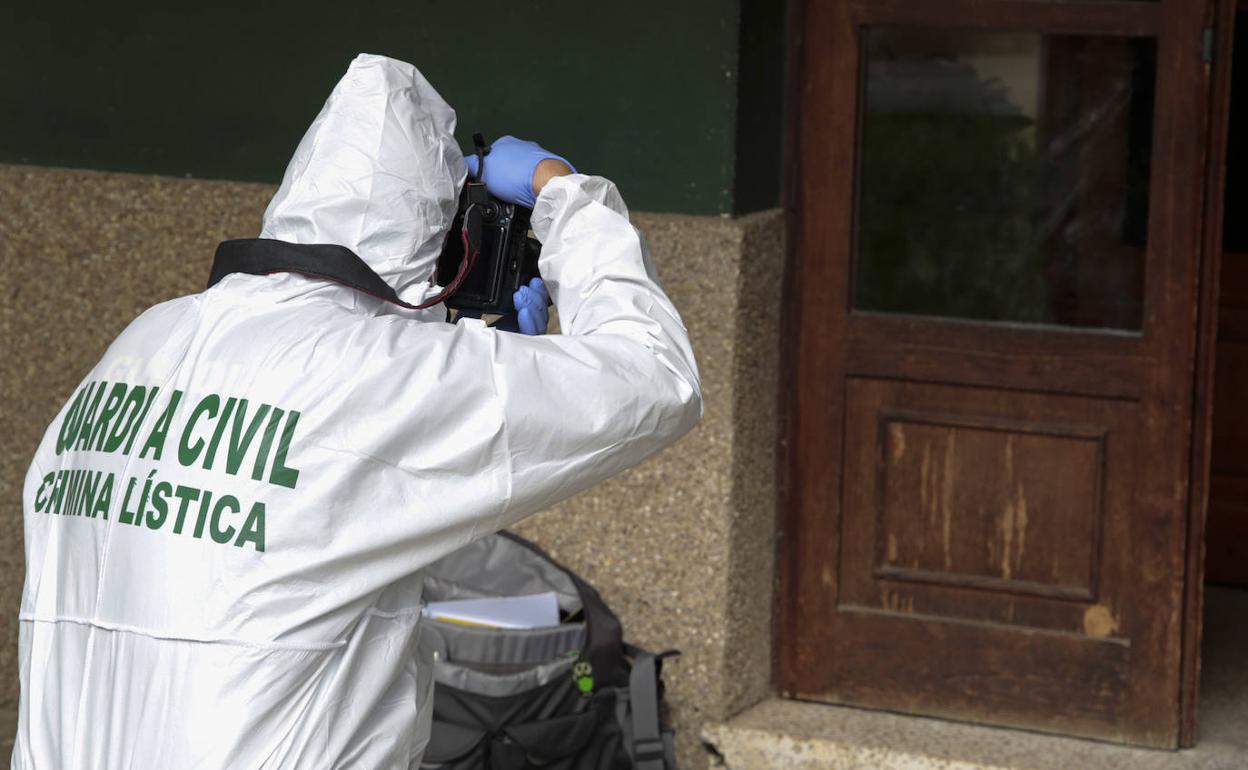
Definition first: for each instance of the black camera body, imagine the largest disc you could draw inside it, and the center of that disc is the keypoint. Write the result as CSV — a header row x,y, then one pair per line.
x,y
488,253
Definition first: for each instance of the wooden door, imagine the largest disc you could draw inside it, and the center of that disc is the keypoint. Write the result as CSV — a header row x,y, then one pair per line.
x,y
995,310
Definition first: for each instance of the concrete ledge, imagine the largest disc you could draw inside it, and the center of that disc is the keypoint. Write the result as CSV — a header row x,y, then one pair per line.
x,y
808,736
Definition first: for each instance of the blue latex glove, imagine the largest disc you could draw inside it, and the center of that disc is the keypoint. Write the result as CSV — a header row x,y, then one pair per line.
x,y
509,168
531,315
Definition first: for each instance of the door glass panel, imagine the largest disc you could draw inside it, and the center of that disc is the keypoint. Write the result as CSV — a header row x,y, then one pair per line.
x,y
1005,176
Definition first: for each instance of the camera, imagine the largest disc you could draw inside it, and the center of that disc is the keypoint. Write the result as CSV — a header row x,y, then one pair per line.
x,y
488,253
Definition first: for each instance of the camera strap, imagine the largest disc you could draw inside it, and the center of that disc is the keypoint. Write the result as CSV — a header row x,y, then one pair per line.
x,y
331,262
263,256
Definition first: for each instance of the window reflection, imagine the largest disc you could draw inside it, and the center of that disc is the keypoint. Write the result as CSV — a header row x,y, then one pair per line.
x,y
1004,177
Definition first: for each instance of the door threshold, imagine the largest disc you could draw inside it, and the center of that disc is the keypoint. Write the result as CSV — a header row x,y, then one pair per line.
x,y
798,735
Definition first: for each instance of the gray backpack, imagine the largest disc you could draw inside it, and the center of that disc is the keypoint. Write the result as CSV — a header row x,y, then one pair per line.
x,y
567,697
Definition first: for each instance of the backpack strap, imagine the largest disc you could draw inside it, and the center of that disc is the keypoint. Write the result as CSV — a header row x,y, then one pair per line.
x,y
652,748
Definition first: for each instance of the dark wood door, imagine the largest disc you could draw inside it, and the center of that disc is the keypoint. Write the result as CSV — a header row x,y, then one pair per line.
x,y
1000,211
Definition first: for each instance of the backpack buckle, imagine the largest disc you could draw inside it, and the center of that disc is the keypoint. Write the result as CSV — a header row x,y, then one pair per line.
x,y
649,750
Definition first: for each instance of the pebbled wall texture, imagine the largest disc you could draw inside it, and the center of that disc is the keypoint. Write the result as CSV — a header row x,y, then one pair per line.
x,y
681,547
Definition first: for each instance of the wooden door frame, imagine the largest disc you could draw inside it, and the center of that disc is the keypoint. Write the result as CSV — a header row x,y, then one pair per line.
x,y
785,569
1219,14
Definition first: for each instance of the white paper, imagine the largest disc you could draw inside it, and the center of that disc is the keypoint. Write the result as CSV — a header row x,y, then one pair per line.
x,y
533,611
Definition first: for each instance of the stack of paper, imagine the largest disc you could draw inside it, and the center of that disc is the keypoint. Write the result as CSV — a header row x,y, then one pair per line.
x,y
534,611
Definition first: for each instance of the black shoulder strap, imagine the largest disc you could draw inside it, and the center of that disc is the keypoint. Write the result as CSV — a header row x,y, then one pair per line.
x,y
261,256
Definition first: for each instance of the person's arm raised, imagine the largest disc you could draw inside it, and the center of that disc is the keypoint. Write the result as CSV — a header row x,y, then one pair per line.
x,y
513,424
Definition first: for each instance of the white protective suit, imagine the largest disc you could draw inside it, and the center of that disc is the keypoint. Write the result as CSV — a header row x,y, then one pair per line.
x,y
225,525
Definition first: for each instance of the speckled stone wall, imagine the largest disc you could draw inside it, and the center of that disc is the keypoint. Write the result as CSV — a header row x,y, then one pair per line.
x,y
681,546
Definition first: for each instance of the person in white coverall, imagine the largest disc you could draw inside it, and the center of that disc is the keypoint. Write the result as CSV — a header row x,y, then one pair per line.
x,y
226,523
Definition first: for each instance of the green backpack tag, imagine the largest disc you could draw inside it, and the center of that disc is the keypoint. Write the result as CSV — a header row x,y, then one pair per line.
x,y
583,672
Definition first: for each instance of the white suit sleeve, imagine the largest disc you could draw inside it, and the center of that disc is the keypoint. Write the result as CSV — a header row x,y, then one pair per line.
x,y
620,383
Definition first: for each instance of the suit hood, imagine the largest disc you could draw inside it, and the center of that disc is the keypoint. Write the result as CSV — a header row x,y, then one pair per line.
x,y
379,172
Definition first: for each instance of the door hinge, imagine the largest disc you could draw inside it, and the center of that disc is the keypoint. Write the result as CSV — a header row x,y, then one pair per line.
x,y
1206,45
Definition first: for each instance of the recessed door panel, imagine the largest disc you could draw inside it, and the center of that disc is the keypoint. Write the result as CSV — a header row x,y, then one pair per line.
x,y
988,507
993,497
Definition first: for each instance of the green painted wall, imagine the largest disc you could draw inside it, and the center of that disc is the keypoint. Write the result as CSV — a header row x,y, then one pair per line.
x,y
758,172
645,92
